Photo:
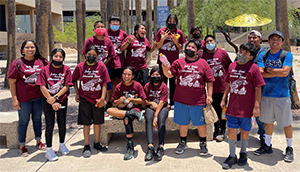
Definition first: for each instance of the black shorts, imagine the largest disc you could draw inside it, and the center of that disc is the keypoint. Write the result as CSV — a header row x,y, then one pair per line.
x,y
89,114
115,73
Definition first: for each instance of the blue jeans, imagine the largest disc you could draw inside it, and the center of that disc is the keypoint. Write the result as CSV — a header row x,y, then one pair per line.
x,y
261,128
35,108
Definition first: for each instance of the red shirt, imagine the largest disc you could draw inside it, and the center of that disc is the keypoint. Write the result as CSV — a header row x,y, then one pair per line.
x,y
191,79
243,79
134,90
25,86
157,93
219,62
92,78
117,38
105,48
55,79
136,52
169,49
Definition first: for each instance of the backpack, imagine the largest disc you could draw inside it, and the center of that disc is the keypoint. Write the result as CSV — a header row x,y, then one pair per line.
x,y
292,81
19,63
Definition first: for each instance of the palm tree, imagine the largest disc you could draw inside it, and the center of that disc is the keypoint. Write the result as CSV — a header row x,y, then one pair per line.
x,y
149,26
42,38
138,11
171,4
121,14
50,27
155,16
11,35
190,15
80,33
131,16
127,15
103,6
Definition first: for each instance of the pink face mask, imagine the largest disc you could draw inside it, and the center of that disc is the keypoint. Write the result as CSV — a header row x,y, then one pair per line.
x,y
100,31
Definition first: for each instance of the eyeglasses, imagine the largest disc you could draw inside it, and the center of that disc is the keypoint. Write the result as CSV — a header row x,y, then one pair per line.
x,y
27,48
115,22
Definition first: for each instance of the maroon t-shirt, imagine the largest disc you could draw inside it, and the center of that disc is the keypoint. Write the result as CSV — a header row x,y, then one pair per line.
x,y
191,78
136,52
243,79
169,49
55,79
29,70
117,38
135,90
105,48
219,62
92,78
157,93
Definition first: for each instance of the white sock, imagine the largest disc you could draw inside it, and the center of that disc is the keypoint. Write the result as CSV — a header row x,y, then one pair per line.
x,y
289,142
268,139
49,149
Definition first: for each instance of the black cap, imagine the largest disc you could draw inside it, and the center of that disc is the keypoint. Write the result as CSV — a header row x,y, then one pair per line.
x,y
276,33
113,17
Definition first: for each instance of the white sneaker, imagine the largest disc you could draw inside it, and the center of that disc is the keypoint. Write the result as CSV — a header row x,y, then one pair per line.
x,y
63,149
51,156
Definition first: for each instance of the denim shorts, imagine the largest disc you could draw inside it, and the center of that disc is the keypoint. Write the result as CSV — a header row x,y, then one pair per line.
x,y
183,114
238,122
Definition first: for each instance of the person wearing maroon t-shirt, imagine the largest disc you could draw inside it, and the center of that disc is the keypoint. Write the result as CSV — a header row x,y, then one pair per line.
x,y
137,46
54,81
196,33
219,62
190,97
156,112
128,98
170,41
93,77
26,95
117,65
244,82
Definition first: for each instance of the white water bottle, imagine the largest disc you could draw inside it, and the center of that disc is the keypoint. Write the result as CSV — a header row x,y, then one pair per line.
x,y
163,59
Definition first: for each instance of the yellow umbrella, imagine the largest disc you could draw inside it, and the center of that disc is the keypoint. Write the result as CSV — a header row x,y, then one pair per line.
x,y
248,20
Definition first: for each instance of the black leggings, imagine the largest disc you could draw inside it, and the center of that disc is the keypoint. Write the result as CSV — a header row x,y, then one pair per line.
x,y
50,121
172,85
220,124
161,121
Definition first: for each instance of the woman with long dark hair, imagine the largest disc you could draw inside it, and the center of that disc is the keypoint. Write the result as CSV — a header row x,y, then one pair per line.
x,y
26,95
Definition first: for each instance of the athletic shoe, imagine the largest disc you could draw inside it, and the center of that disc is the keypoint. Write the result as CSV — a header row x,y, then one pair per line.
x,y
181,147
129,152
150,153
289,156
220,137
86,151
264,149
203,149
99,147
63,149
41,146
138,116
23,152
51,156
243,159
159,153
229,162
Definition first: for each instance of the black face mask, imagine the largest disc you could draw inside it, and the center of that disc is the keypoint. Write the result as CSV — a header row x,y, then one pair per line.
x,y
190,53
171,26
56,63
91,59
196,36
155,79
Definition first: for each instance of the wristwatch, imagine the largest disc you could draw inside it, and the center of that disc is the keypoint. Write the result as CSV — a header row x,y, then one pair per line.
x,y
56,97
266,69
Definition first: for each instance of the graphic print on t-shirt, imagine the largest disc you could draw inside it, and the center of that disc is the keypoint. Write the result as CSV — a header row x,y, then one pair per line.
x,y
139,52
155,94
217,67
116,43
235,86
60,78
169,46
190,80
274,63
102,57
33,77
93,84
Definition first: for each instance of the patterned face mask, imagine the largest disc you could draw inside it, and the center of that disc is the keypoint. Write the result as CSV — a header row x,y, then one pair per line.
x,y
241,58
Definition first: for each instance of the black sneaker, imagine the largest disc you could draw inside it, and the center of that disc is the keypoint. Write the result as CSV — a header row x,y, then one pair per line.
x,y
150,153
216,133
229,162
263,149
159,153
243,159
129,152
289,156
99,147
87,151
181,147
134,114
203,149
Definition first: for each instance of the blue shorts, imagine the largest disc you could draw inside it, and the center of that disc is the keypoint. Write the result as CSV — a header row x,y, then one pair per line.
x,y
238,122
108,84
183,114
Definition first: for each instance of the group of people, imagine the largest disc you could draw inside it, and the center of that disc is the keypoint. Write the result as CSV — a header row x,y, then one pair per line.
x,y
120,84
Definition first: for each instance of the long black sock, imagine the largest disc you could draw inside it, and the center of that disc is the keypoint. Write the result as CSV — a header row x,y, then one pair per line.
x,y
202,139
183,139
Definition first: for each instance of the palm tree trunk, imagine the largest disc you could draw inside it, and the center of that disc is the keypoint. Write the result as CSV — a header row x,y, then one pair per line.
x,y
42,38
149,27
11,37
131,17
155,16
138,11
103,4
127,15
171,4
83,20
80,36
121,14
190,15
50,28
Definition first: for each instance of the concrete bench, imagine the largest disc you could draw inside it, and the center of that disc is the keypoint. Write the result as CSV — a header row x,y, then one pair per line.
x,y
117,126
9,122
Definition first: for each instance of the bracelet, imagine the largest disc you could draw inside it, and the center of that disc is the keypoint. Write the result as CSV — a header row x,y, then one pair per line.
x,y
56,97
128,42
